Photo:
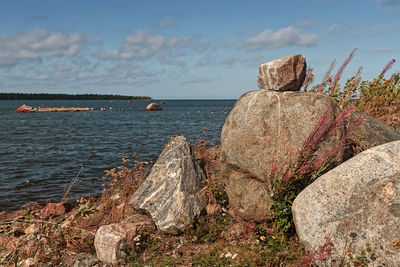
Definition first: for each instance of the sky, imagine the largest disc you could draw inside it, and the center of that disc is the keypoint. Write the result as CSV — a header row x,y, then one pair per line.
x,y
184,49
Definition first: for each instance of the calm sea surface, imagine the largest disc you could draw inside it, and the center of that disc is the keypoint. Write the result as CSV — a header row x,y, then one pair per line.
x,y
41,152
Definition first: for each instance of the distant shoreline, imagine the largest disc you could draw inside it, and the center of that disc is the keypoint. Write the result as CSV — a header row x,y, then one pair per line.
x,y
44,96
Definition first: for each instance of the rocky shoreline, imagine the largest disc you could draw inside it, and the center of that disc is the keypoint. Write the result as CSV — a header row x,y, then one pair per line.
x,y
298,179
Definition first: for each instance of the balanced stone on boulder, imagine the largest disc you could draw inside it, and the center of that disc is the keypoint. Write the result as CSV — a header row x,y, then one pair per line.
x,y
264,129
170,192
283,74
355,204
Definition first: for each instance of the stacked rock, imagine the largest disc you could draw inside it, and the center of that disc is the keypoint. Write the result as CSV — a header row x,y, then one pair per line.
x,y
283,74
265,129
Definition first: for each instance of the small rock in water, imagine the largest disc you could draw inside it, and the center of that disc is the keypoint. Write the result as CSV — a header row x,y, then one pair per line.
x,y
153,106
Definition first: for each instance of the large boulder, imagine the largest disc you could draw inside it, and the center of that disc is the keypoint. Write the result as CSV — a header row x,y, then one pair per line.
x,y
283,74
356,203
248,197
265,129
373,132
112,238
169,193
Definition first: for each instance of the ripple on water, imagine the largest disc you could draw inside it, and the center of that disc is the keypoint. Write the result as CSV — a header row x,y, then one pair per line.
x,y
40,153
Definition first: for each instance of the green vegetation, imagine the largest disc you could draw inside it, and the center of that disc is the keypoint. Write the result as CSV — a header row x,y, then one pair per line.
x,y
42,96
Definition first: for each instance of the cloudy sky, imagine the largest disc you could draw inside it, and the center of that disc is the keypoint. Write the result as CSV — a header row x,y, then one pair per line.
x,y
182,48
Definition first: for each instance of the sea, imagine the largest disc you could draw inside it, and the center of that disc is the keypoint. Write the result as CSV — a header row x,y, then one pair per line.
x,y
41,153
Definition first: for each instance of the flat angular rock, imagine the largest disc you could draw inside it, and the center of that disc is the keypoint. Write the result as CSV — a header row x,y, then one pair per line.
x,y
361,197
283,74
110,239
169,193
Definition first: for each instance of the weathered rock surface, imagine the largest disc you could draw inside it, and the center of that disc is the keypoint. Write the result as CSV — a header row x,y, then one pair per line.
x,y
153,106
110,239
283,74
266,128
363,191
248,197
82,260
169,193
374,131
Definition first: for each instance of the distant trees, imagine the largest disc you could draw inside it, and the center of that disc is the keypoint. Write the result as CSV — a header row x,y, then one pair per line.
x,y
43,96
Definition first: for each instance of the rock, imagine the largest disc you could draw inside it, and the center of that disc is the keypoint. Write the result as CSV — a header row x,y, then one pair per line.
x,y
266,128
32,229
169,193
248,197
374,131
141,222
153,106
213,209
283,74
84,260
29,262
56,209
356,203
80,260
111,239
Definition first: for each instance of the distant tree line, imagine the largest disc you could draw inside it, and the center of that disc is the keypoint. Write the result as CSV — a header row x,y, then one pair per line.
x,y
24,96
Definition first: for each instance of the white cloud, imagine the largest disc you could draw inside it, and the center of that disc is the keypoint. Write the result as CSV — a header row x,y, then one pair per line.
x,y
290,36
143,45
41,44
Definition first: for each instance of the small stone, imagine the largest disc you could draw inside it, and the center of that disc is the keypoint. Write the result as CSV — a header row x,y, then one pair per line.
x,y
153,106
29,262
213,209
283,74
110,239
32,229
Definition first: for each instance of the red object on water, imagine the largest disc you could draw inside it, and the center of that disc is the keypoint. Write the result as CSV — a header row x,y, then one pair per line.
x,y
23,108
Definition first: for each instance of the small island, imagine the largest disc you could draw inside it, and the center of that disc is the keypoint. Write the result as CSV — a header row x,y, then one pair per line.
x,y
44,96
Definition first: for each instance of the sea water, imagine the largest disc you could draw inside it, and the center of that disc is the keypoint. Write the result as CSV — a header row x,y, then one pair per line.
x,y
40,153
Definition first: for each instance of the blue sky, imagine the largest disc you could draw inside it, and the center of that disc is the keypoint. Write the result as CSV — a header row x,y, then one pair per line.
x,y
185,49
